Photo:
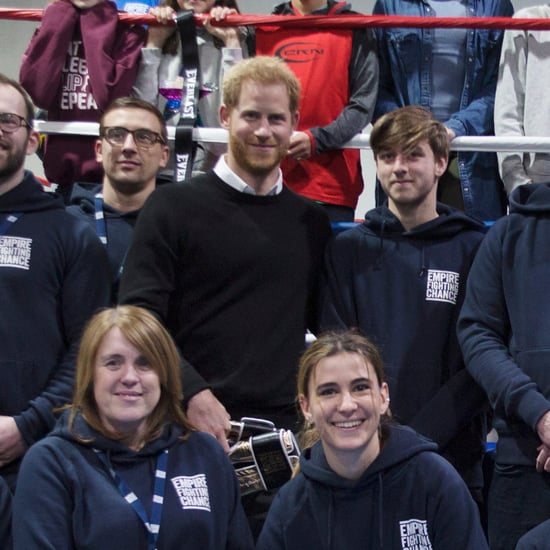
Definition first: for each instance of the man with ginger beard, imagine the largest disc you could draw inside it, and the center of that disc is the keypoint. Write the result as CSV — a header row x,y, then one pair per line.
x,y
229,260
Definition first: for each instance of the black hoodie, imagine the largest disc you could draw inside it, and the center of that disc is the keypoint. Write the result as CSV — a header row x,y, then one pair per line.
x,y
67,499
408,498
504,326
404,289
53,276
119,226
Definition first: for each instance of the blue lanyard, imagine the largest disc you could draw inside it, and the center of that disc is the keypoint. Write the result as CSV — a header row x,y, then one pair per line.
x,y
9,221
101,230
100,227
152,525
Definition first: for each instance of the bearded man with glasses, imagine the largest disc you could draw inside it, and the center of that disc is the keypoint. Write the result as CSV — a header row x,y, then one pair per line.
x,y
53,276
132,147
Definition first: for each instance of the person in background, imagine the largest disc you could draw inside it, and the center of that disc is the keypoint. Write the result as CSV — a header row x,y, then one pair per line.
x,y
79,59
504,332
54,274
132,147
522,107
230,261
338,72
160,79
453,73
124,467
367,482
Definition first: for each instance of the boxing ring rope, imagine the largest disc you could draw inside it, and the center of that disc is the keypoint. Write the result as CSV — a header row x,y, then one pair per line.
x,y
360,141
325,21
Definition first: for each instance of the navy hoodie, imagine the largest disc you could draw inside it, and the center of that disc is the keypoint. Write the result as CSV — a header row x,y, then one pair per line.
x,y
119,226
504,327
404,289
408,498
53,277
67,499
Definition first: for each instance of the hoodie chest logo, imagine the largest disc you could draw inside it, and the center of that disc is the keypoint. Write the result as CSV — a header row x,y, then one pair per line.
x,y
442,286
15,252
192,492
414,535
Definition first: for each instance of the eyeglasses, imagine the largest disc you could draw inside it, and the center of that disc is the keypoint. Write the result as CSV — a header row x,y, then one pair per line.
x,y
10,122
116,135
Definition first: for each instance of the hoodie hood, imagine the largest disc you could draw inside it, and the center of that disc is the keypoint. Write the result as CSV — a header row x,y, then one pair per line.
x,y
29,196
340,501
530,199
83,196
448,223
402,444
287,9
83,203
115,451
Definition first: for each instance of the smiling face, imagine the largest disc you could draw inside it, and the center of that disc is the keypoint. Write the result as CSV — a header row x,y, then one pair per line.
x,y
409,179
345,402
126,388
260,127
129,168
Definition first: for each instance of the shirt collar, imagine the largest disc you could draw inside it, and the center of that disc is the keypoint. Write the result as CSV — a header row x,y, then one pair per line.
x,y
229,177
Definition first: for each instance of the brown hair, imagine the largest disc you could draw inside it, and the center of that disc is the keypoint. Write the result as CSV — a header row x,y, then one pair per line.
x,y
402,129
144,331
328,345
172,42
29,106
135,103
263,70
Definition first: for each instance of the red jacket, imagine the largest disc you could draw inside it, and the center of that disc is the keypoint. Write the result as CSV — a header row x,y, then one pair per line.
x,y
77,62
320,59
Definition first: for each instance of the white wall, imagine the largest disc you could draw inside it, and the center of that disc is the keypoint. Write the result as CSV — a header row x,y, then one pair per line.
x,y
14,36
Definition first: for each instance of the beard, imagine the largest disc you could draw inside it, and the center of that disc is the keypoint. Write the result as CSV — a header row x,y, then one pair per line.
x,y
14,160
256,166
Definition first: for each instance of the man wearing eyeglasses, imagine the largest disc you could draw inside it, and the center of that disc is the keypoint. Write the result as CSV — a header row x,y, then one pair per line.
x,y
132,147
53,276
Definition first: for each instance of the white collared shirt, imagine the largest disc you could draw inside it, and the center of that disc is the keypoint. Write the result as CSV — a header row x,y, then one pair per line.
x,y
228,176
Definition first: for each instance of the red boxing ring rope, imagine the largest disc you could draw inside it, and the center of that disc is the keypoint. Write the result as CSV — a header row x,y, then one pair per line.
x,y
326,21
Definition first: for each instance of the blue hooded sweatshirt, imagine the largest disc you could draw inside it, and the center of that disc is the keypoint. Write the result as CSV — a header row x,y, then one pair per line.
x,y
53,277
119,226
504,326
408,498
403,289
67,499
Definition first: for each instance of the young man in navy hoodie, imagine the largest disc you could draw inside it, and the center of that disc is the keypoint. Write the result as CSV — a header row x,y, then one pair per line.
x,y
504,331
131,148
53,276
400,278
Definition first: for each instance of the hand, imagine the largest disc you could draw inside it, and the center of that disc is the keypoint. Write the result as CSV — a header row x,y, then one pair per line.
x,y
450,134
12,445
157,35
543,459
207,414
228,35
543,429
300,146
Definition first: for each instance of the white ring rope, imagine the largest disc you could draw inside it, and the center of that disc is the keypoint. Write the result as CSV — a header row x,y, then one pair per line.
x,y
360,141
